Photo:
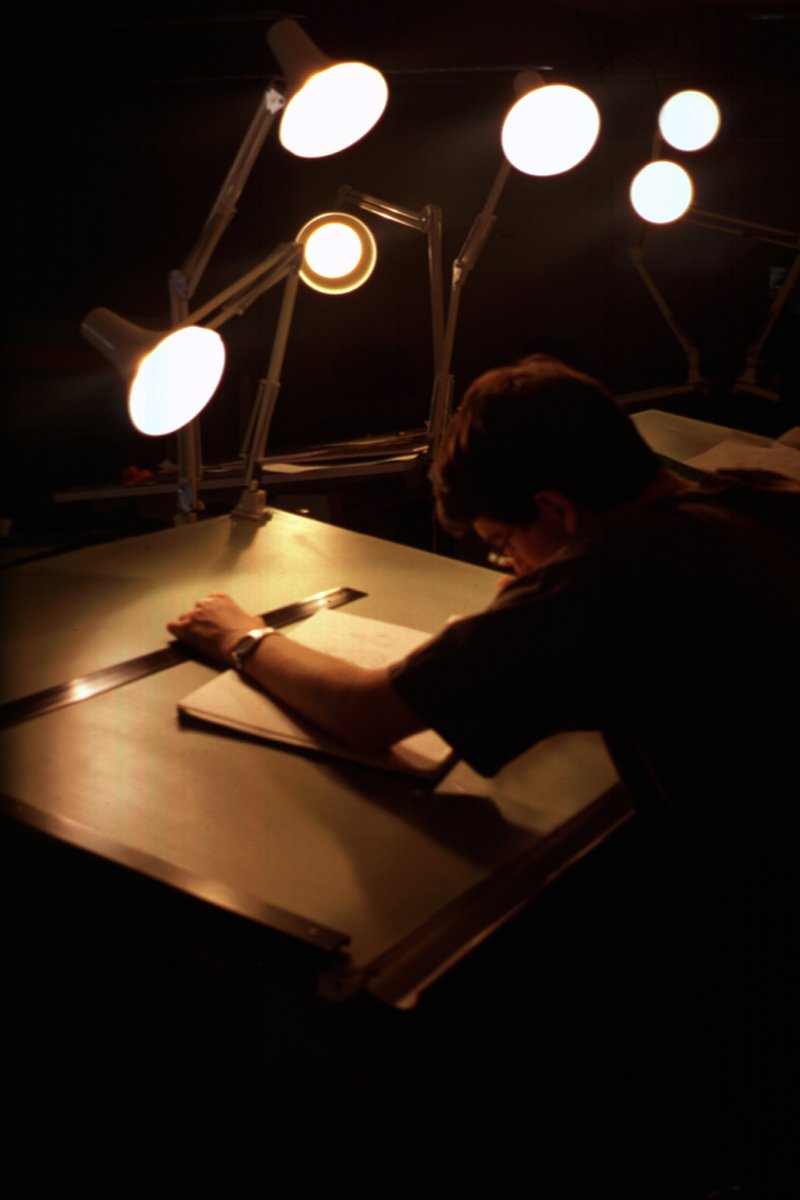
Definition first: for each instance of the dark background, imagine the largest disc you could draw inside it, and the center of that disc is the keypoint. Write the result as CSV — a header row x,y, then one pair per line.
x,y
122,124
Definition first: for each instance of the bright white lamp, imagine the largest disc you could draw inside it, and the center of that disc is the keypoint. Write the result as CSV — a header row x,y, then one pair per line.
x,y
550,129
176,380
689,120
331,105
171,375
661,192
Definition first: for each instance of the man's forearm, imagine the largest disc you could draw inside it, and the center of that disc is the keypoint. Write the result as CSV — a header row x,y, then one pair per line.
x,y
355,704
359,706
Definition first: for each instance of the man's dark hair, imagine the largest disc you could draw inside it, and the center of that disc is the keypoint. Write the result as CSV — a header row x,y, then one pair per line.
x,y
535,425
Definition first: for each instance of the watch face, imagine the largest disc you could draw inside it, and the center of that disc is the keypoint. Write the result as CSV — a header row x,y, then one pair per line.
x,y
244,647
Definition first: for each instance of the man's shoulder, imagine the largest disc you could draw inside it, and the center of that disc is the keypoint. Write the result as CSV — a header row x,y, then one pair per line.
x,y
747,499
734,522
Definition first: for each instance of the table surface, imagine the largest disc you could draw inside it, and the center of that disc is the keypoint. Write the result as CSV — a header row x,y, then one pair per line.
x,y
409,874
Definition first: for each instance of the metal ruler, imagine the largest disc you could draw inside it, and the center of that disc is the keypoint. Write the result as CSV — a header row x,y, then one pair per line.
x,y
87,686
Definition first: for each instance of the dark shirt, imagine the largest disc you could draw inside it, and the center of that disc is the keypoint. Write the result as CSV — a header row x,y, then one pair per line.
x,y
674,630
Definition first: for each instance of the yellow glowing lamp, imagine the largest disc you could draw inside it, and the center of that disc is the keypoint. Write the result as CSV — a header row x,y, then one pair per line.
x,y
550,129
339,253
689,120
661,192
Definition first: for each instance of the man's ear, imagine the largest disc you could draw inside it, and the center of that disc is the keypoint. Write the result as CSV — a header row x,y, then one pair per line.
x,y
558,508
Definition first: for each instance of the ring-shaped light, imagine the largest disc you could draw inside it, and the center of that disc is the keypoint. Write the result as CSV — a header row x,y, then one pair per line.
x,y
339,253
661,192
689,120
550,130
176,380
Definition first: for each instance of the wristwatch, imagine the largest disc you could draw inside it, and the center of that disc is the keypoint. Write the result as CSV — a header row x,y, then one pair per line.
x,y
246,645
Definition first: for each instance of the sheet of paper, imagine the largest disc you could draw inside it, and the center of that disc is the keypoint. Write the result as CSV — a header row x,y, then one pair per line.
x,y
231,701
361,640
741,452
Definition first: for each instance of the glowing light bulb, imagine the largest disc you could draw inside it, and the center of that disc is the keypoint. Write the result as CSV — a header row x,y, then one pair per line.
x,y
550,130
339,253
333,250
689,120
176,380
333,110
661,192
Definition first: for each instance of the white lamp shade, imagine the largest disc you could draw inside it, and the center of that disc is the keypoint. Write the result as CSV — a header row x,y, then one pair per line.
x,y
661,192
331,105
122,342
333,110
550,130
339,253
176,380
689,120
171,376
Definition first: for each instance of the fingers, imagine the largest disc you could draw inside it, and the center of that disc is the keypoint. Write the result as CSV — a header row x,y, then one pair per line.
x,y
183,622
212,617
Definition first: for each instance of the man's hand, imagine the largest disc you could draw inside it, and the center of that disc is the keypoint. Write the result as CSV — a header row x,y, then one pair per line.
x,y
214,626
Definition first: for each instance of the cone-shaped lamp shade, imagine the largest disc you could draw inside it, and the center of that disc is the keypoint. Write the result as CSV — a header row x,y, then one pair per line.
x,y
331,105
171,376
339,253
661,192
550,130
689,120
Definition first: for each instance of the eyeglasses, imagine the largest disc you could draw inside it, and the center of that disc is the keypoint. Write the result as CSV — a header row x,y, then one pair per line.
x,y
497,556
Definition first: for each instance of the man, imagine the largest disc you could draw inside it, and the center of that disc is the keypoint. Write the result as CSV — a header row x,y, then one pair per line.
x,y
662,613
666,615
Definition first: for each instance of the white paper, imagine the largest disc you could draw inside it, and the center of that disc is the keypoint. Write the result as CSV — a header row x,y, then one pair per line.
x,y
741,452
230,700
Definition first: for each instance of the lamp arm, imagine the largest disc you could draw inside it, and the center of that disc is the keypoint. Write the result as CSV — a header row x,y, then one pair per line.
x,y
467,258
238,296
689,348
270,386
481,227
436,277
753,354
427,220
742,228
384,208
185,280
442,398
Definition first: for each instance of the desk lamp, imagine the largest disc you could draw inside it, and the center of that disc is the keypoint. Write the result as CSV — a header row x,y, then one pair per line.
x,y
340,254
662,193
549,129
337,254
329,107
173,374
